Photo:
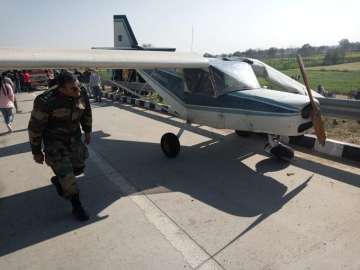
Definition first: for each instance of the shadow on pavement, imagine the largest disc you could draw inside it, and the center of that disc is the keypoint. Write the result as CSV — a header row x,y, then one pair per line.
x,y
328,171
37,215
213,174
270,165
14,149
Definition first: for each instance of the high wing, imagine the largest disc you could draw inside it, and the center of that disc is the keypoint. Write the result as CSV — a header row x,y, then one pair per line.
x,y
88,58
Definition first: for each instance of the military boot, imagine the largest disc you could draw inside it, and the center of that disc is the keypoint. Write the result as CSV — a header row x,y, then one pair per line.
x,y
57,185
78,211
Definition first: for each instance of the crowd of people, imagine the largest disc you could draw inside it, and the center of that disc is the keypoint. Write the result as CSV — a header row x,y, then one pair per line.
x,y
21,80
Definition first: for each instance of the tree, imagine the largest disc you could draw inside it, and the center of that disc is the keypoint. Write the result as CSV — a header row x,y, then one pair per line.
x,y
306,50
322,49
208,55
238,54
334,56
272,52
345,44
250,53
281,52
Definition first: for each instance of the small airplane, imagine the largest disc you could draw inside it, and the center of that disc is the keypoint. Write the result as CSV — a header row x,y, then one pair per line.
x,y
220,93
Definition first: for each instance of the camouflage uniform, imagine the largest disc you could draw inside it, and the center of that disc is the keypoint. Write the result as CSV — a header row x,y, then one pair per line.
x,y
55,121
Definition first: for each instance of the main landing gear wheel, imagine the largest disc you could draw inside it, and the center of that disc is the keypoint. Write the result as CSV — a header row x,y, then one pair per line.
x,y
242,133
170,145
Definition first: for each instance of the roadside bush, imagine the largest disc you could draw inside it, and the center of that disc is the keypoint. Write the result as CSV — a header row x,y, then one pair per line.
x,y
334,56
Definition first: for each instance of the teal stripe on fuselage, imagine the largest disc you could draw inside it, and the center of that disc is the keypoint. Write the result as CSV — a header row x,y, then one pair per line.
x,y
264,100
238,111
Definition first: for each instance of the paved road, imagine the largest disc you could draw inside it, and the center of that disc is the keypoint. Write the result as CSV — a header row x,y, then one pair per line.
x,y
222,204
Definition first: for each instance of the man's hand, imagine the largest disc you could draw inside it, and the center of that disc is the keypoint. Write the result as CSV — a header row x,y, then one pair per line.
x,y
39,158
87,138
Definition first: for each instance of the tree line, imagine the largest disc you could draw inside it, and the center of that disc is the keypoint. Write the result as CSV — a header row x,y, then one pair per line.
x,y
333,54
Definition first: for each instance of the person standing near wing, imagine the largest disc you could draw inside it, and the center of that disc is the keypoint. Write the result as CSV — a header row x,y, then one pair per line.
x,y
10,80
95,85
56,119
27,81
7,99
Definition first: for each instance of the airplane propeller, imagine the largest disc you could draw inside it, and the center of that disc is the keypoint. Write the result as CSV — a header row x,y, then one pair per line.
x,y
315,112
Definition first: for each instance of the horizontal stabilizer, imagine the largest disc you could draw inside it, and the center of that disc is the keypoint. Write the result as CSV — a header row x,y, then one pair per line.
x,y
137,49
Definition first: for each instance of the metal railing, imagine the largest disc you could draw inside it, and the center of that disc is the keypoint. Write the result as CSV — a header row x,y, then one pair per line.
x,y
340,108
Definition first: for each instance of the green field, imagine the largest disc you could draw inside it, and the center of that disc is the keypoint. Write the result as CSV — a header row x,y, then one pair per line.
x,y
340,82
342,67
341,79
285,63
291,62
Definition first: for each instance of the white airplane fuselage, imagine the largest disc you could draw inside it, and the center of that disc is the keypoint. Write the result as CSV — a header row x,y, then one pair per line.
x,y
256,110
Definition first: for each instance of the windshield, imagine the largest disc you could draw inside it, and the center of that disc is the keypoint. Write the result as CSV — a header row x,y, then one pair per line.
x,y
222,77
276,79
233,76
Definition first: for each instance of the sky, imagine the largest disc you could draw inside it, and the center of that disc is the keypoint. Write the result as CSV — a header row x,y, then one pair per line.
x,y
219,26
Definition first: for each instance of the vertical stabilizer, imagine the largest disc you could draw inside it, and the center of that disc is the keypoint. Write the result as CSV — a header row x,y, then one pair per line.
x,y
123,34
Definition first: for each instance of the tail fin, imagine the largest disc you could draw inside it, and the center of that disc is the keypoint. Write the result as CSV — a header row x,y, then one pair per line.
x,y
124,37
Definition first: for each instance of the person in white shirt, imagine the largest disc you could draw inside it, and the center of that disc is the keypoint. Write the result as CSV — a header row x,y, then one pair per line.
x,y
7,98
8,80
95,85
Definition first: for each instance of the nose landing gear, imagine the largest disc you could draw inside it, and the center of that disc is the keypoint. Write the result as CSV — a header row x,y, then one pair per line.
x,y
279,150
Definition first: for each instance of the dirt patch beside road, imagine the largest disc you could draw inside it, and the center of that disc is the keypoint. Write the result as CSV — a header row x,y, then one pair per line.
x,y
343,130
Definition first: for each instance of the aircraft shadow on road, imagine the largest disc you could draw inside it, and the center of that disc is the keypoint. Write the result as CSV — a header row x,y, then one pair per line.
x,y
210,173
263,166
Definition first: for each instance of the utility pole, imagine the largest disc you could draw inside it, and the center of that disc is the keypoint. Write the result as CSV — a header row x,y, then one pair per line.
x,y
192,38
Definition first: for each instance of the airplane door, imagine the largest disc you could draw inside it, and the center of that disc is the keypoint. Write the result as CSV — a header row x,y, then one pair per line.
x,y
203,110
203,107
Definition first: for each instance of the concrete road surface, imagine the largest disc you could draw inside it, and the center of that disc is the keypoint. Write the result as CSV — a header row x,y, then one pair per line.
x,y
222,204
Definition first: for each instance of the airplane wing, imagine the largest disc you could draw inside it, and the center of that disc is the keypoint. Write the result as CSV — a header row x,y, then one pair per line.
x,y
11,58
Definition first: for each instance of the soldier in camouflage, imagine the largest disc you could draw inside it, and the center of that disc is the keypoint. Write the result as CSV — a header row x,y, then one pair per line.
x,y
55,123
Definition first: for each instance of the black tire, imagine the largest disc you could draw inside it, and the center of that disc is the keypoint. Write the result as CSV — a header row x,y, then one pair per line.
x,y
170,145
242,133
283,152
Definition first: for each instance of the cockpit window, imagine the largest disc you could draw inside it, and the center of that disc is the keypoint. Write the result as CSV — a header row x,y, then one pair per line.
x,y
223,81
198,81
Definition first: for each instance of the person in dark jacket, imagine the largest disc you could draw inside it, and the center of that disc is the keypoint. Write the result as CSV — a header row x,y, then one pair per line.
x,y
56,121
